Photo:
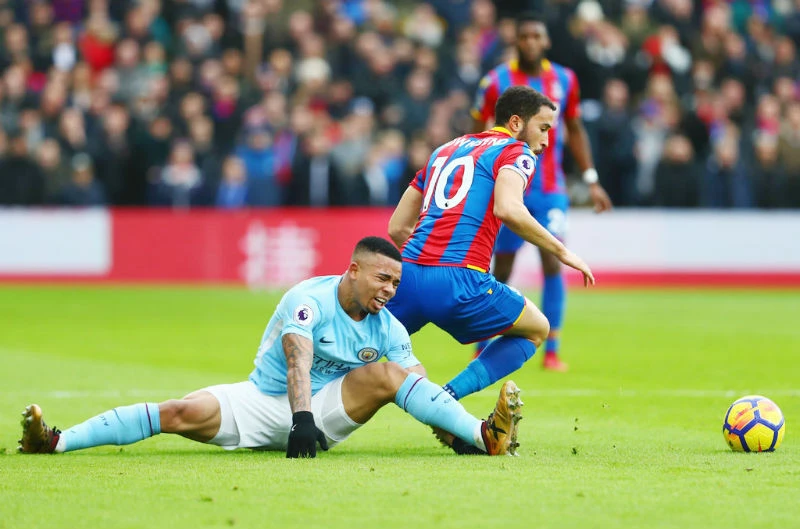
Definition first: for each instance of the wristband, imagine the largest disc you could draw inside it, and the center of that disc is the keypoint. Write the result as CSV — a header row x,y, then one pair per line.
x,y
590,176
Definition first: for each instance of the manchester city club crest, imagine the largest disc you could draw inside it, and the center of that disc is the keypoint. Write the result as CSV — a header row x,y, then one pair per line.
x,y
368,354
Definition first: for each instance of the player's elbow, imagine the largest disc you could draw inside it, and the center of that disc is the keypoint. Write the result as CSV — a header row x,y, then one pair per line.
x,y
504,212
399,233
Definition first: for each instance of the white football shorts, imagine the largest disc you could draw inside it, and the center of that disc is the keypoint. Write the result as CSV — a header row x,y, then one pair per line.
x,y
251,419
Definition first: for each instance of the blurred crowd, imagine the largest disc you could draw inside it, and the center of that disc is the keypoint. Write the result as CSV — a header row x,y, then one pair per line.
x,y
237,103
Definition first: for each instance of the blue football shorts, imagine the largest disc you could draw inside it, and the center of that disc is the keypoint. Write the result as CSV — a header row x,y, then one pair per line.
x,y
470,305
549,210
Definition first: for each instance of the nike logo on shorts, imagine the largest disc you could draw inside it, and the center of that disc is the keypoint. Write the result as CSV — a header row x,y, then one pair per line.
x,y
323,340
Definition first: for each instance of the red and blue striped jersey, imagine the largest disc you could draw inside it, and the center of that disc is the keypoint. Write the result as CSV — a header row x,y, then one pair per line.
x,y
554,81
457,225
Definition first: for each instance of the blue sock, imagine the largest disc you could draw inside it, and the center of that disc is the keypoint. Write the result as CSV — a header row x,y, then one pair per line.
x,y
120,426
554,298
501,357
430,404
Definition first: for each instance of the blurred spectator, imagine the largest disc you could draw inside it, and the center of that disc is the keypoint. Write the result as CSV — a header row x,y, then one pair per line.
x,y
112,151
226,110
72,131
415,103
150,152
316,180
385,168
21,179
423,26
201,135
55,169
614,145
789,154
659,114
180,182
258,158
232,190
726,182
350,154
678,177
82,189
766,174
97,42
792,23
419,152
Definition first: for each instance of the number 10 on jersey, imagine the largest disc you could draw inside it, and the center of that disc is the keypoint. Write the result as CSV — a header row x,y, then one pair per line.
x,y
441,178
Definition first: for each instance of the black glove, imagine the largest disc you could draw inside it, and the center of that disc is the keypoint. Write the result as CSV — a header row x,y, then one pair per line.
x,y
304,436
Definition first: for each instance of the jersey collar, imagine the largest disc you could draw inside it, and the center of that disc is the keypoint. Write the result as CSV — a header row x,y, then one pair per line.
x,y
513,65
501,130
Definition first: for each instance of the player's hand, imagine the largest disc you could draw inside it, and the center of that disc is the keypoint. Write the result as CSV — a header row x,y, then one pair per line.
x,y
304,436
600,198
573,261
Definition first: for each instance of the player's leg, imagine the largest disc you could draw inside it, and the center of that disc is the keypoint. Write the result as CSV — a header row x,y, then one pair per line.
x,y
489,308
366,389
516,344
554,296
551,212
195,417
506,247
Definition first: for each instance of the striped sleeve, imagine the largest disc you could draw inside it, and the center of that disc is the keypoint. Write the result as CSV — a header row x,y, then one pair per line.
x,y
418,182
519,158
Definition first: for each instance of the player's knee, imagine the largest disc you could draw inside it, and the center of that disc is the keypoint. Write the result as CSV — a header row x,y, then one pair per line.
x,y
543,333
171,413
540,330
387,377
177,415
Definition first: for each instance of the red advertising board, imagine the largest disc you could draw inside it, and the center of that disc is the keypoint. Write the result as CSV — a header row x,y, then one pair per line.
x,y
275,248
259,248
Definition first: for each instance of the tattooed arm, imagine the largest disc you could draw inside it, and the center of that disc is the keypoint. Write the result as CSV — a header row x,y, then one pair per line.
x,y
299,353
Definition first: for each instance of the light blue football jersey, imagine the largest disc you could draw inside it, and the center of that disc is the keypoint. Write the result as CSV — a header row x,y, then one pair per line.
x,y
312,310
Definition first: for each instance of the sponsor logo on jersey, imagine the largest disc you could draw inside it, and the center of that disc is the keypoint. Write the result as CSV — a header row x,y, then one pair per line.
x,y
368,354
303,315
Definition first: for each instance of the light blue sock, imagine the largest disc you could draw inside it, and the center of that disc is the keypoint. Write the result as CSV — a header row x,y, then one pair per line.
x,y
554,300
120,426
430,404
501,357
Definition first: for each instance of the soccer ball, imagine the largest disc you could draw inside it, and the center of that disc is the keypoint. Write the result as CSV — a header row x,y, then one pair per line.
x,y
753,424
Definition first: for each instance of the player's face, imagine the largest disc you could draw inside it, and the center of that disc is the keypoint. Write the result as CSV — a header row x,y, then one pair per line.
x,y
536,131
532,42
376,281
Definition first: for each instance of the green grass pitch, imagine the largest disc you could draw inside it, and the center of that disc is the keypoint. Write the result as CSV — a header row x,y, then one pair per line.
x,y
629,437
